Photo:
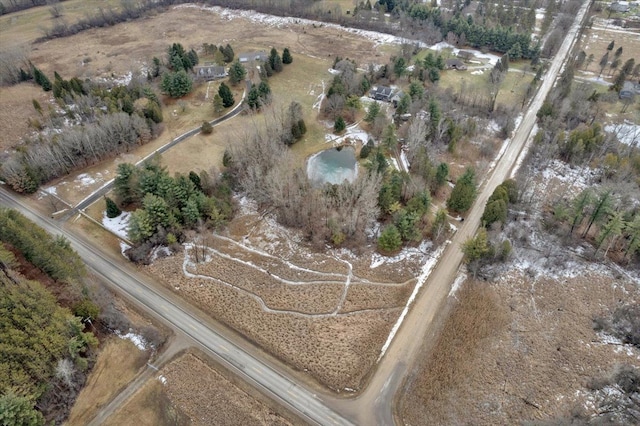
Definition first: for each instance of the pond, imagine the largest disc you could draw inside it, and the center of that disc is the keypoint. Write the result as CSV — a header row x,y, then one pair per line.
x,y
333,166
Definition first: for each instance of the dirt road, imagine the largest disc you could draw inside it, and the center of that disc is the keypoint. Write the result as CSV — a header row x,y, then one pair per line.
x,y
376,403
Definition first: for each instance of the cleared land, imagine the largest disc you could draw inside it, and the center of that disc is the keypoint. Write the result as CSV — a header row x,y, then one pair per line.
x,y
190,391
118,362
327,314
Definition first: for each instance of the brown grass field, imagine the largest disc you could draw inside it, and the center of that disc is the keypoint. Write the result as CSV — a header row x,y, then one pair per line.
x,y
118,362
516,344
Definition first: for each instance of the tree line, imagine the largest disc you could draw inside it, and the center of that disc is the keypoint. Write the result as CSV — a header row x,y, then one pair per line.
x,y
114,120
46,350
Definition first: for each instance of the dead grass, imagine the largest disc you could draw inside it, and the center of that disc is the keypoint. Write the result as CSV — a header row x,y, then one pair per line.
x,y
207,397
16,111
150,406
118,362
517,350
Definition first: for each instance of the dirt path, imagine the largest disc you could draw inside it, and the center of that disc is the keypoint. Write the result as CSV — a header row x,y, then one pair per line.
x,y
177,345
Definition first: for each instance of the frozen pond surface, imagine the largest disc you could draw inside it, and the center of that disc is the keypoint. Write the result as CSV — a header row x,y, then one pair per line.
x,y
333,165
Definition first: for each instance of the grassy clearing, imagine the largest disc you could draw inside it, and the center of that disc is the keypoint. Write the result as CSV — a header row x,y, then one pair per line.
x,y
150,406
19,28
118,362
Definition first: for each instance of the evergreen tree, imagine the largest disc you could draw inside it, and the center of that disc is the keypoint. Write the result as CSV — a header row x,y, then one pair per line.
x,y
372,112
264,91
366,149
18,410
442,173
286,56
475,249
228,53
390,239
125,185
218,107
41,79
339,125
112,208
407,224
253,97
463,193
610,232
275,61
226,95
603,63
611,46
237,73
176,84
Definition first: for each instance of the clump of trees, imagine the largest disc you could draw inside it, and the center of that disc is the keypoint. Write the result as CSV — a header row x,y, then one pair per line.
x,y
167,206
176,83
496,208
262,166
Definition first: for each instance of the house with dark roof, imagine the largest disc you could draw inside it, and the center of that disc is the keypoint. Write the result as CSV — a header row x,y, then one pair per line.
x,y
619,7
629,90
260,56
209,72
455,64
381,93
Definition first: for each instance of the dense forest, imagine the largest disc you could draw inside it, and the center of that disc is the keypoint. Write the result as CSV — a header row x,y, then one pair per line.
x,y
47,347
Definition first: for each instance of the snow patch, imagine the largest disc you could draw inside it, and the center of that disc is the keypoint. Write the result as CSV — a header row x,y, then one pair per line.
x,y
406,253
162,379
457,283
136,339
628,133
118,225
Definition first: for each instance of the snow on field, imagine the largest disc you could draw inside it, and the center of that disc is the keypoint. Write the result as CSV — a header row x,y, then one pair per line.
x,y
287,21
577,177
162,379
628,133
428,266
117,225
352,136
477,72
334,71
51,190
84,179
136,339
406,253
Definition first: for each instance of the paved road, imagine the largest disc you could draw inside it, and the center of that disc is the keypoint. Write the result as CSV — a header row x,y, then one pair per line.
x,y
240,358
413,335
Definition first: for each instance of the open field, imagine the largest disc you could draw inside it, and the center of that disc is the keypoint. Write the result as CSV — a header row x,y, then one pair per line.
x,y
327,314
150,406
191,390
535,352
118,362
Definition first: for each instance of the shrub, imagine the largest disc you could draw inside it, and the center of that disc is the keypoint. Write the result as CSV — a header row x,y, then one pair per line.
x,y
206,128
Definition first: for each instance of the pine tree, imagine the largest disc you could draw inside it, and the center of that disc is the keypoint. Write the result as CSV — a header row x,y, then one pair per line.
x,y
228,53
237,73
339,125
372,112
390,239
125,185
218,107
253,98
176,84
41,79
463,193
275,61
442,173
475,249
112,208
611,46
610,232
286,56
226,95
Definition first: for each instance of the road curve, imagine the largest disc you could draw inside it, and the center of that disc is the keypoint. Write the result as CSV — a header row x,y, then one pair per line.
x,y
379,396
238,358
93,197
